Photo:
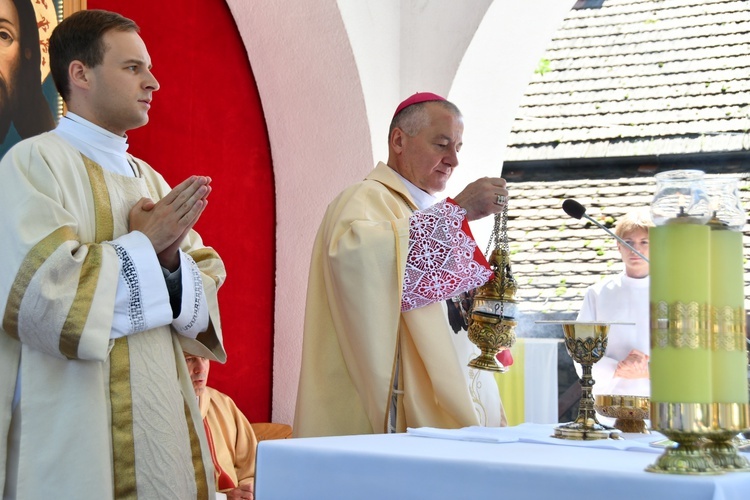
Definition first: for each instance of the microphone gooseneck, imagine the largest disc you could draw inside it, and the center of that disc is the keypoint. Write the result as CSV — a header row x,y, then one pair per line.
x,y
576,210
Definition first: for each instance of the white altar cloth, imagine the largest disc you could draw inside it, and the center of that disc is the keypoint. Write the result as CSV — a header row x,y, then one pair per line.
x,y
473,463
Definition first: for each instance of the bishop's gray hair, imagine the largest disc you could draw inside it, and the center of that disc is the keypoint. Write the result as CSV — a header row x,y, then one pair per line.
x,y
414,118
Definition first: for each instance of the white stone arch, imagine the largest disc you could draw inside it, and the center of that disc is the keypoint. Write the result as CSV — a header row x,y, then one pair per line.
x,y
307,80
329,74
490,82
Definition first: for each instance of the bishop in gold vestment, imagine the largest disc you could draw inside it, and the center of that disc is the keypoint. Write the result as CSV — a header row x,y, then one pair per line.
x,y
364,339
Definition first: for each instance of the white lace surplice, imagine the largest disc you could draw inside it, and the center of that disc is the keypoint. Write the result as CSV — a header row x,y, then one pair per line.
x,y
441,261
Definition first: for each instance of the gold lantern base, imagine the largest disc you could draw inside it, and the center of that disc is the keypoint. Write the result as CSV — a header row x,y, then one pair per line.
x,y
731,419
686,424
723,451
687,456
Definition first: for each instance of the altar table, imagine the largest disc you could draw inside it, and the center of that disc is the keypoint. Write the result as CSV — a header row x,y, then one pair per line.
x,y
520,462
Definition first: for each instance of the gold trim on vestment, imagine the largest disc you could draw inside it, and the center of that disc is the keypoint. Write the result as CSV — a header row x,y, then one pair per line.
x,y
70,337
105,226
121,397
37,256
121,400
72,330
199,468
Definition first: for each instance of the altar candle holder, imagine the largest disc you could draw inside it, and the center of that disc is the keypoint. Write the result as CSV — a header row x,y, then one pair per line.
x,y
680,362
680,198
728,345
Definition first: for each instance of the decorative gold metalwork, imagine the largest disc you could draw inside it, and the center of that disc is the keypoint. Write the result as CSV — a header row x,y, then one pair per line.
x,y
686,424
492,319
679,325
491,334
630,412
730,420
586,344
489,327
728,328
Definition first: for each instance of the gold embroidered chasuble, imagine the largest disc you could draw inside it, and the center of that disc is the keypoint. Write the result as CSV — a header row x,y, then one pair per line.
x,y
355,332
97,418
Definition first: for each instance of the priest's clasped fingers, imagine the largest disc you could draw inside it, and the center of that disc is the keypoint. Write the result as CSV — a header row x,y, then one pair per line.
x,y
483,197
190,199
167,221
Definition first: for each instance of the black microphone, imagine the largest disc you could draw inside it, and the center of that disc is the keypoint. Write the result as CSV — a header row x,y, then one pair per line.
x,y
576,210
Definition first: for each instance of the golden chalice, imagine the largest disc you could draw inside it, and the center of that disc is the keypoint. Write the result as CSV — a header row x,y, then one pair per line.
x,y
586,343
630,412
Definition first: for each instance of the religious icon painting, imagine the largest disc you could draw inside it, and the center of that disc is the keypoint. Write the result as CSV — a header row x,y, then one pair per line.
x,y
29,102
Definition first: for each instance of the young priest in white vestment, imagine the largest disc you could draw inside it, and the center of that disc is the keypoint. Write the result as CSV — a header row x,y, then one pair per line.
x,y
101,278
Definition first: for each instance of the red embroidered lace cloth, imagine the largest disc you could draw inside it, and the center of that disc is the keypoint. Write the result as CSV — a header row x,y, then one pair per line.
x,y
443,258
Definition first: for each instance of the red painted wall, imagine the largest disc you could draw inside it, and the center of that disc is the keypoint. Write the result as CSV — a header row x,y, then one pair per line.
x,y
207,119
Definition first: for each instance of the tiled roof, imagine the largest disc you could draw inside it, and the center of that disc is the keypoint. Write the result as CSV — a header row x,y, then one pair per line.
x,y
640,78
555,257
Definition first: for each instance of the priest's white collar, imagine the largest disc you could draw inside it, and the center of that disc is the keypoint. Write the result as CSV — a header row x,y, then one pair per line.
x,y
102,146
421,198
